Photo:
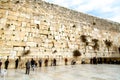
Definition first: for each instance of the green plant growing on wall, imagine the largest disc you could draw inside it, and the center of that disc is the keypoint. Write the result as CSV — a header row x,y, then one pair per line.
x,y
53,45
45,21
25,53
85,41
17,2
96,45
74,26
67,45
108,44
2,28
94,23
37,26
76,53
55,51
49,29
7,25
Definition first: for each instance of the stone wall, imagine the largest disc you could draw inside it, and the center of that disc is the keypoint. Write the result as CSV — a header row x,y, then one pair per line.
x,y
48,30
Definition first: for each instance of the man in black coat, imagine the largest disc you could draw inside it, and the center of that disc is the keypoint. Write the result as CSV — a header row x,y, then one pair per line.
x,y
16,63
6,64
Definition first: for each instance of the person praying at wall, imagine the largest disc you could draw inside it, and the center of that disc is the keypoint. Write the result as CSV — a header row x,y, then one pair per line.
x,y
73,62
40,62
54,62
16,63
33,63
27,67
6,64
46,62
66,60
0,65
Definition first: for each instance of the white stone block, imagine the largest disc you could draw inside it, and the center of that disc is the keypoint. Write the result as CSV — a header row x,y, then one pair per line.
x,y
12,27
17,38
23,24
31,44
34,49
4,51
18,48
3,20
25,39
36,21
23,29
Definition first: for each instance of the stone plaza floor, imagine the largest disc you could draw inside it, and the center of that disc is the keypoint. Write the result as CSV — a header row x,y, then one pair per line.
x,y
69,72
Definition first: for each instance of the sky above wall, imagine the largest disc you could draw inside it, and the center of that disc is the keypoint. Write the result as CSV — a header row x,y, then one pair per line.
x,y
107,9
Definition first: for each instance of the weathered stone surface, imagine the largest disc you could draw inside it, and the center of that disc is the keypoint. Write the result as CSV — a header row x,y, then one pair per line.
x,y
45,28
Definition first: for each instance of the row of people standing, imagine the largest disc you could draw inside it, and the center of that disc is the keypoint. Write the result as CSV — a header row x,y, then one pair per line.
x,y
33,62
54,61
100,60
6,63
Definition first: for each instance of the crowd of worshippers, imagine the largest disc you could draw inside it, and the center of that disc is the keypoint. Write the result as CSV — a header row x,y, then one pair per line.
x,y
100,60
32,63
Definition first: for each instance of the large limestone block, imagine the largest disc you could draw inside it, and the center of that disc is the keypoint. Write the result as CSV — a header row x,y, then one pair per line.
x,y
27,30
12,17
21,19
43,27
22,34
2,42
2,11
29,10
15,13
16,23
45,32
4,51
34,49
1,32
15,43
4,0
17,38
31,44
18,48
11,13
19,53
28,25
37,39
3,20
8,37
23,24
36,22
34,30
50,45
1,15
31,39
12,27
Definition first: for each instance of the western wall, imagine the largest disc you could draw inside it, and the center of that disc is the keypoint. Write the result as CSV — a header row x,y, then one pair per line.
x,y
48,30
